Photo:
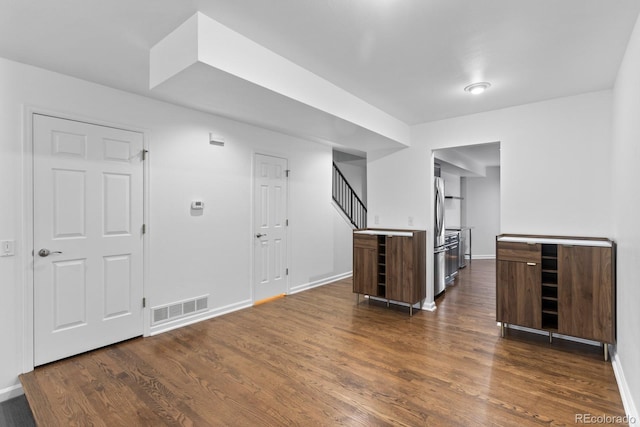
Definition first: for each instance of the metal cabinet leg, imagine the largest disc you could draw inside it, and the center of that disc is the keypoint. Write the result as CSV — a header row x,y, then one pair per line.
x,y
550,337
470,251
502,329
606,351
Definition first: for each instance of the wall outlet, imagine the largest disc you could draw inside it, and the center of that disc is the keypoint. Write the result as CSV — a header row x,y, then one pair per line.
x,y
410,220
376,219
7,247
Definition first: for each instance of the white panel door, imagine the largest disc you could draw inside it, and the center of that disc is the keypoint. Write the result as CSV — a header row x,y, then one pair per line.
x,y
270,222
88,213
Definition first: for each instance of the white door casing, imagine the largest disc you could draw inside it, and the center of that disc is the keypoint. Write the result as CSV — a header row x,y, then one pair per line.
x,y
270,227
88,213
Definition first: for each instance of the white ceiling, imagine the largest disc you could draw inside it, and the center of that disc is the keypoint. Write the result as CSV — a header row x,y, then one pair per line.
x,y
470,160
486,154
410,58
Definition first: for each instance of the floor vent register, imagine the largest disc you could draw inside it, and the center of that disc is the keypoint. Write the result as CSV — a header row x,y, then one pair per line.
x,y
178,310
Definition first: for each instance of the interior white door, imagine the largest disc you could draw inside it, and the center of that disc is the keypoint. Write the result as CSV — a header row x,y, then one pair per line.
x,y
87,232
270,227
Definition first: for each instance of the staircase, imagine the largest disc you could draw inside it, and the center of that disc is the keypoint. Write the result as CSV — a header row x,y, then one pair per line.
x,y
348,200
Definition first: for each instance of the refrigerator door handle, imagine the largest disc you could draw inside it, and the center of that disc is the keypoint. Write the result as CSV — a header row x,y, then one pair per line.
x,y
439,211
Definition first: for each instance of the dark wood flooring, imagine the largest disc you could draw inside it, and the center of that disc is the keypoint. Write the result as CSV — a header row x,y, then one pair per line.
x,y
316,358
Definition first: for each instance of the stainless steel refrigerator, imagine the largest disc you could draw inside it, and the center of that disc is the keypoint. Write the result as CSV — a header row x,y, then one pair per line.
x,y
439,248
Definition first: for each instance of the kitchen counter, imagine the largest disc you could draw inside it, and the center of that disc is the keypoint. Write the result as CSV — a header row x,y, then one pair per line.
x,y
603,243
382,232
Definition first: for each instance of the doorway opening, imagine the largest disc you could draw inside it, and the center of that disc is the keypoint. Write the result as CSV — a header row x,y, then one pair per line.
x,y
469,179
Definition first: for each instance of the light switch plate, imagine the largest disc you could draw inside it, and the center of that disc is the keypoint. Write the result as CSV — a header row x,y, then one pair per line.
x,y
197,205
7,247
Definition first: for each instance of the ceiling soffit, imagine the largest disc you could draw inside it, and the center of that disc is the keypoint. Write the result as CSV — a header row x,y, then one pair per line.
x,y
205,65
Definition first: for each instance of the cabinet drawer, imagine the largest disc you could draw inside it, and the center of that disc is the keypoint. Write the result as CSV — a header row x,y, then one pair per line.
x,y
365,242
517,251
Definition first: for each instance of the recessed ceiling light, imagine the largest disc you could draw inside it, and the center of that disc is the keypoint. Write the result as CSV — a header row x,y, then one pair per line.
x,y
477,88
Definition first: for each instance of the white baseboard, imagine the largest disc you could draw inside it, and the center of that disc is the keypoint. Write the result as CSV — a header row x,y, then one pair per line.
x,y
429,306
11,392
627,400
185,321
474,256
320,282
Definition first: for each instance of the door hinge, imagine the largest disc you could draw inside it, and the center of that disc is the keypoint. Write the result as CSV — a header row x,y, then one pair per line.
x,y
286,273
144,154
144,302
144,228
287,172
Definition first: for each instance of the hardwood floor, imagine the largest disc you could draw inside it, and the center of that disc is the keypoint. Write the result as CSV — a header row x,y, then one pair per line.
x,y
317,358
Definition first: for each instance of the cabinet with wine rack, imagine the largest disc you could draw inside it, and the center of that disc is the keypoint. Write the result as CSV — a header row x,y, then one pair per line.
x,y
562,285
390,265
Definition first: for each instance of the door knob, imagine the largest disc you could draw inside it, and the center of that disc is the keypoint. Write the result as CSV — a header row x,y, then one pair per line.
x,y
259,235
46,252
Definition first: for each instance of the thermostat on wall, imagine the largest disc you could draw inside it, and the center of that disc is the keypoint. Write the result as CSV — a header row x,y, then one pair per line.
x,y
197,205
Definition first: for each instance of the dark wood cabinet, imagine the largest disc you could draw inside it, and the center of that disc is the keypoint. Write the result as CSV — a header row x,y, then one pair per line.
x,y
562,285
390,264
365,264
519,293
586,292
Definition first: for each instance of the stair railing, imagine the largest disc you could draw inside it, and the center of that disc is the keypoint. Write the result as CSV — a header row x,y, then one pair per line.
x,y
348,200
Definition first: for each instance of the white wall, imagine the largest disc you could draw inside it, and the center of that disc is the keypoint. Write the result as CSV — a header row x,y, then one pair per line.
x,y
399,186
482,211
626,204
189,255
11,268
343,242
555,166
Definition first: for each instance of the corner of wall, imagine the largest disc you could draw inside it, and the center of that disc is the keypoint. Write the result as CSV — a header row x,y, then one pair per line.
x,y
625,393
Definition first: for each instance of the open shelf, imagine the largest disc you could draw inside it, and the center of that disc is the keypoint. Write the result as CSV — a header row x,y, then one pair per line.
x,y
550,306
550,264
549,289
382,266
550,251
